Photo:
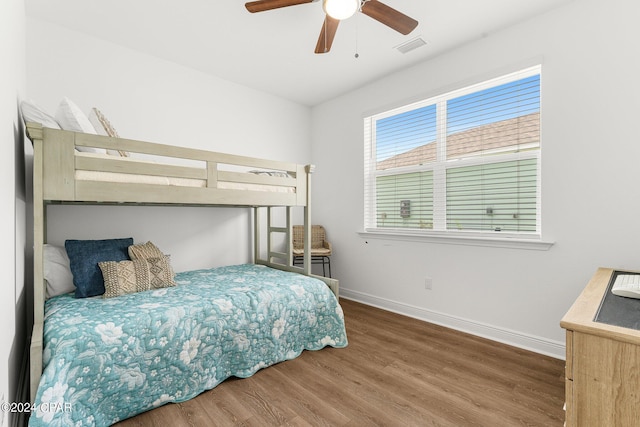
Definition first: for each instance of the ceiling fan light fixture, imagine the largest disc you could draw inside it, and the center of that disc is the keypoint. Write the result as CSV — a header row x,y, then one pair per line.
x,y
340,9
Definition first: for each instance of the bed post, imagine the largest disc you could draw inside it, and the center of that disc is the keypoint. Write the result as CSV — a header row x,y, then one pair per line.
x,y
289,238
35,133
269,241
307,223
256,234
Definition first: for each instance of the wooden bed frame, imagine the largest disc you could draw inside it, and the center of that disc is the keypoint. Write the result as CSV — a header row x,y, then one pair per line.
x,y
55,167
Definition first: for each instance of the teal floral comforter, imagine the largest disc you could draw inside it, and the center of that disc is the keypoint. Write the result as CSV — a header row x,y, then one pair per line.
x,y
109,359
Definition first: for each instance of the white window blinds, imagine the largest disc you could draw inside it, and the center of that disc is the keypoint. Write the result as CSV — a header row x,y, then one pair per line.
x,y
465,161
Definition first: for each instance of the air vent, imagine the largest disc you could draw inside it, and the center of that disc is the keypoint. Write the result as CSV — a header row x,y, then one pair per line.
x,y
411,45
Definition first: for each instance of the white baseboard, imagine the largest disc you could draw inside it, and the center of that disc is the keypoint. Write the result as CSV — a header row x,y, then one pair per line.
x,y
536,344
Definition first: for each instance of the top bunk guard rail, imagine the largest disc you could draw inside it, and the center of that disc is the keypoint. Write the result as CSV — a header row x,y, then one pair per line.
x,y
71,176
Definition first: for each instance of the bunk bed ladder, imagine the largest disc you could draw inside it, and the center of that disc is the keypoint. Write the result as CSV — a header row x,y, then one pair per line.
x,y
280,257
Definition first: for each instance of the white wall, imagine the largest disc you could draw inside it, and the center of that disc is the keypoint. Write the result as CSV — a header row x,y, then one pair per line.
x,y
590,180
12,208
155,100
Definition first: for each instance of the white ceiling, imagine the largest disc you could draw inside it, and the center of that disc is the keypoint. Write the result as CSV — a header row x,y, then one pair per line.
x,y
273,51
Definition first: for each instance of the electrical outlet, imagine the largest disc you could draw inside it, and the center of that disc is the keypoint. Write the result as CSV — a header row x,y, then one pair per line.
x,y
428,283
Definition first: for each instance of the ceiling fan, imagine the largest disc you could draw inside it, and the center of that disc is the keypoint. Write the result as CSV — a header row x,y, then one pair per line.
x,y
337,10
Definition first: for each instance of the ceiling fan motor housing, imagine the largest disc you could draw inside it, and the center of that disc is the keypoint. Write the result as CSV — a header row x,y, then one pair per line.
x,y
340,9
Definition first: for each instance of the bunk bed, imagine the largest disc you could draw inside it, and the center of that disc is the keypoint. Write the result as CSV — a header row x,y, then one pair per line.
x,y
66,172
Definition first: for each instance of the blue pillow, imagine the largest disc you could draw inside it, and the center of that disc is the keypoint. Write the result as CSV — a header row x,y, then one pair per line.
x,y
84,256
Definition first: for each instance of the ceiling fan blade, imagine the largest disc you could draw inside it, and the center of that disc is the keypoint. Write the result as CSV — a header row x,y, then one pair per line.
x,y
389,16
262,5
327,33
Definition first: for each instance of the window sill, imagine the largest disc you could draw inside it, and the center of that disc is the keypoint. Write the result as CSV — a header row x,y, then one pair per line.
x,y
493,242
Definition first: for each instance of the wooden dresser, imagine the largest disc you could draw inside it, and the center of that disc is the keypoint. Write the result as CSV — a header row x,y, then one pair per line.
x,y
603,363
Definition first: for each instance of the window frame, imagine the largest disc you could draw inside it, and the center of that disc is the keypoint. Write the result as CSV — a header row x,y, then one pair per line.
x,y
439,232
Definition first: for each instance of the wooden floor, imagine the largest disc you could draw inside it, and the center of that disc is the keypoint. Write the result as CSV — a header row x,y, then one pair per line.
x,y
396,371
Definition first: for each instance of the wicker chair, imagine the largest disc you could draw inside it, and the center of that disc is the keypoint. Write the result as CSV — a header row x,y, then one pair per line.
x,y
320,248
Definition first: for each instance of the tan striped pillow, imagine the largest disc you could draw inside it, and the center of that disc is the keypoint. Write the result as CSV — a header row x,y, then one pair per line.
x,y
146,250
126,277
103,127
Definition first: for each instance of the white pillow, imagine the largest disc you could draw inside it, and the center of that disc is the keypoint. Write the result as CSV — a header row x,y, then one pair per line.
x,y
70,117
32,112
57,271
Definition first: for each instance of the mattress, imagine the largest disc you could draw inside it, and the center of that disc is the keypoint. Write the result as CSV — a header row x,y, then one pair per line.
x,y
109,359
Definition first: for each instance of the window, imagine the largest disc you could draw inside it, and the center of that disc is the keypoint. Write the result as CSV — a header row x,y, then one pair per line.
x,y
466,162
